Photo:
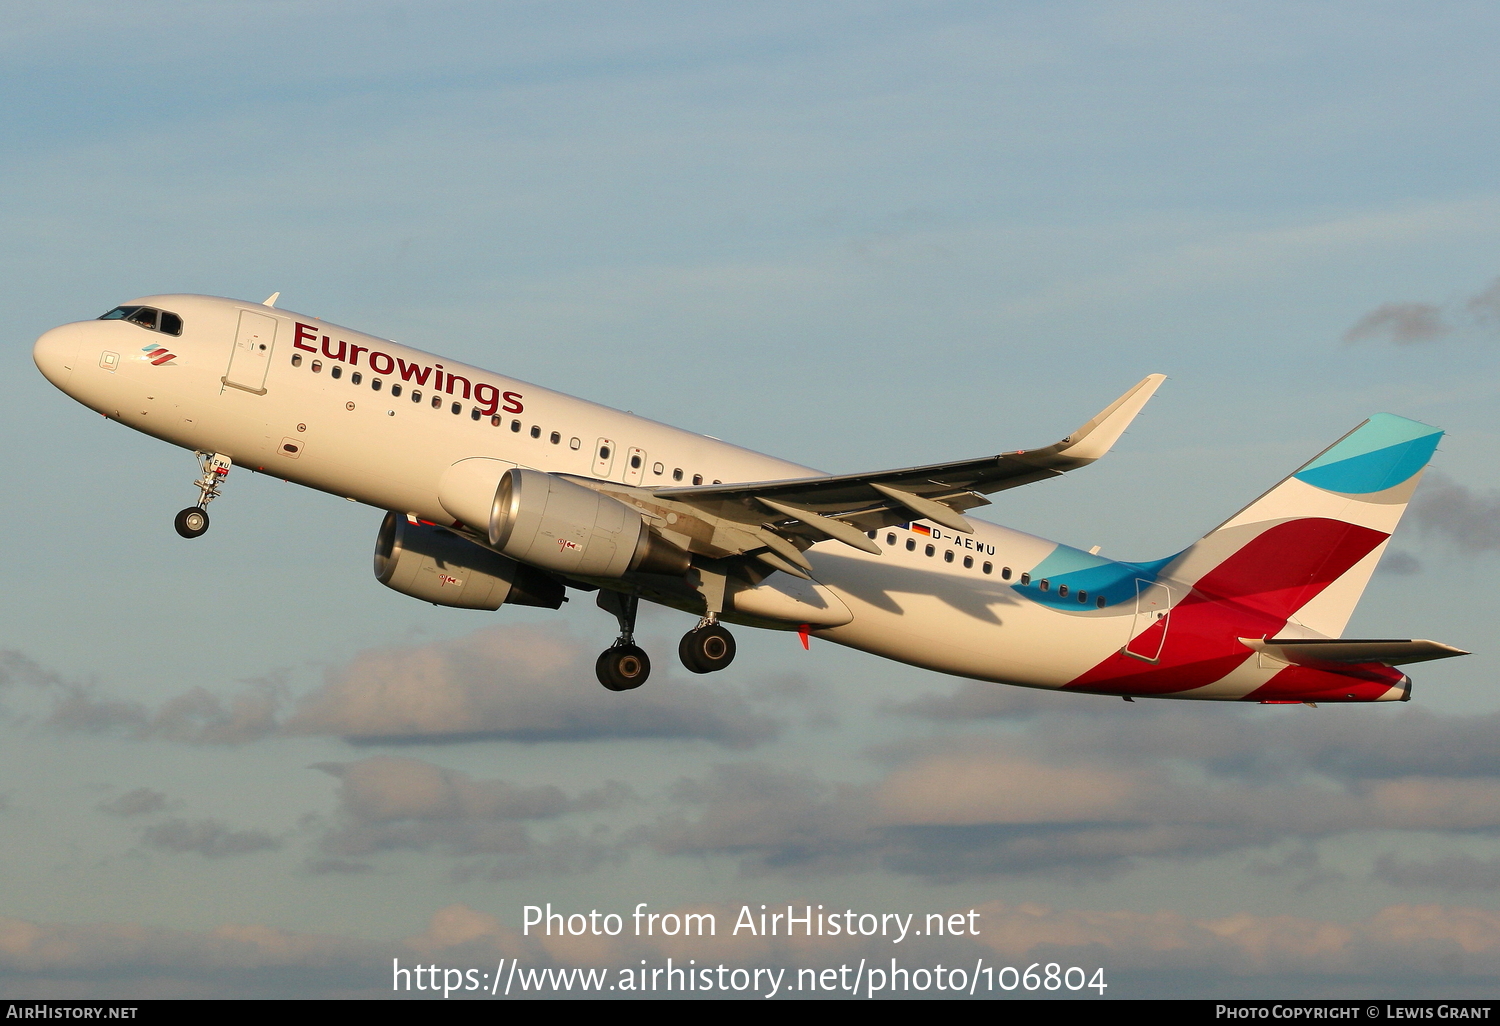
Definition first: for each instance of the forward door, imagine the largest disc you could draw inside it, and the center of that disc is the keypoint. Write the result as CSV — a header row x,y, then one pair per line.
x,y
253,344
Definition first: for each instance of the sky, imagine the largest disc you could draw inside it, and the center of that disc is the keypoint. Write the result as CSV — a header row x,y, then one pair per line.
x,y
854,235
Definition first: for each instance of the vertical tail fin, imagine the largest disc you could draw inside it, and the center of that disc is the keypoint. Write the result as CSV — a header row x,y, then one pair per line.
x,y
1304,551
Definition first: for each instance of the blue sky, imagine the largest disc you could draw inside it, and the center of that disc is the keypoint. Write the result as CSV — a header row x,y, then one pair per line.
x,y
854,235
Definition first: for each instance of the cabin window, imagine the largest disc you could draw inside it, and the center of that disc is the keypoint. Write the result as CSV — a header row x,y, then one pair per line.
x,y
296,359
458,408
657,468
1083,598
437,402
1044,584
495,420
395,389
948,556
911,545
697,479
474,414
968,562
1005,573
317,365
717,481
931,549
356,378
536,431
335,371
676,473
1099,602
988,568
416,395
575,443
604,452
890,539
1026,578
871,534
635,461
515,426
1062,591
375,384
555,438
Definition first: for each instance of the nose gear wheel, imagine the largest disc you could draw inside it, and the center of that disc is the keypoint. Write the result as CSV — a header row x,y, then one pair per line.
x,y
191,522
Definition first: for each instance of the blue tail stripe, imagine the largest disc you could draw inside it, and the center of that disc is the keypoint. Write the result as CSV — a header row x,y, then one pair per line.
x,y
1374,471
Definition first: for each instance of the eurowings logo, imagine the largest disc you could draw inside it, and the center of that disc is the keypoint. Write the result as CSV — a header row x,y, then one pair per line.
x,y
158,355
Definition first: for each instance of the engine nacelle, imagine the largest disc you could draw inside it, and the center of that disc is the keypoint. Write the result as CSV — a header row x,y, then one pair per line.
x,y
553,523
436,565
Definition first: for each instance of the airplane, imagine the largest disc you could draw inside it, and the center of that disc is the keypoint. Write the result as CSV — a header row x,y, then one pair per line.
x,y
498,491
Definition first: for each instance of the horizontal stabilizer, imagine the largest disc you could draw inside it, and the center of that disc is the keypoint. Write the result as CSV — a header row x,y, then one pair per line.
x,y
1318,651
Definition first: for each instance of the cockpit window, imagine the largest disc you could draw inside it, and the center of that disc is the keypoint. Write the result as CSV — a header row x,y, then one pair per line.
x,y
147,317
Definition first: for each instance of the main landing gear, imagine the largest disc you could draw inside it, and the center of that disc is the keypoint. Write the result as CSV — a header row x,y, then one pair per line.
x,y
193,521
707,647
624,666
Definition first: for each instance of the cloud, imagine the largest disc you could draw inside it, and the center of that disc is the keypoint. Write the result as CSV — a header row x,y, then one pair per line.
x,y
396,804
977,700
505,683
139,802
774,820
1457,872
518,684
197,716
1416,323
1402,950
17,669
1467,519
1064,800
1399,564
1485,307
1401,323
207,837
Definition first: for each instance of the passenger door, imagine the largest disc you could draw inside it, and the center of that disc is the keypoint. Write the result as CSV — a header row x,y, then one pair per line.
x,y
253,344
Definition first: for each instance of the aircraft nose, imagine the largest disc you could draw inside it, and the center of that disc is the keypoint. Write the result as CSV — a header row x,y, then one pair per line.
x,y
55,353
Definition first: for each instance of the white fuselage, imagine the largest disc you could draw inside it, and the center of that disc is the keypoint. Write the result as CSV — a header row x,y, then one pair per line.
x,y
947,602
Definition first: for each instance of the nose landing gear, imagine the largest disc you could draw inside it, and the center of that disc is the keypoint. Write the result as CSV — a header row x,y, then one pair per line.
x,y
193,521
623,666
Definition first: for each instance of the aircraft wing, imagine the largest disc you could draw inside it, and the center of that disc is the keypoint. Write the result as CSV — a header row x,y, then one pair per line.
x,y
801,511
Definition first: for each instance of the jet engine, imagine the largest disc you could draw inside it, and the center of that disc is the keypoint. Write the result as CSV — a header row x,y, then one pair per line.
x,y
561,526
438,566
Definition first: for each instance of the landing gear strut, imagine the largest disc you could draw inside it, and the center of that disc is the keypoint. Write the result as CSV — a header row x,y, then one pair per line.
x,y
623,666
707,647
193,521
